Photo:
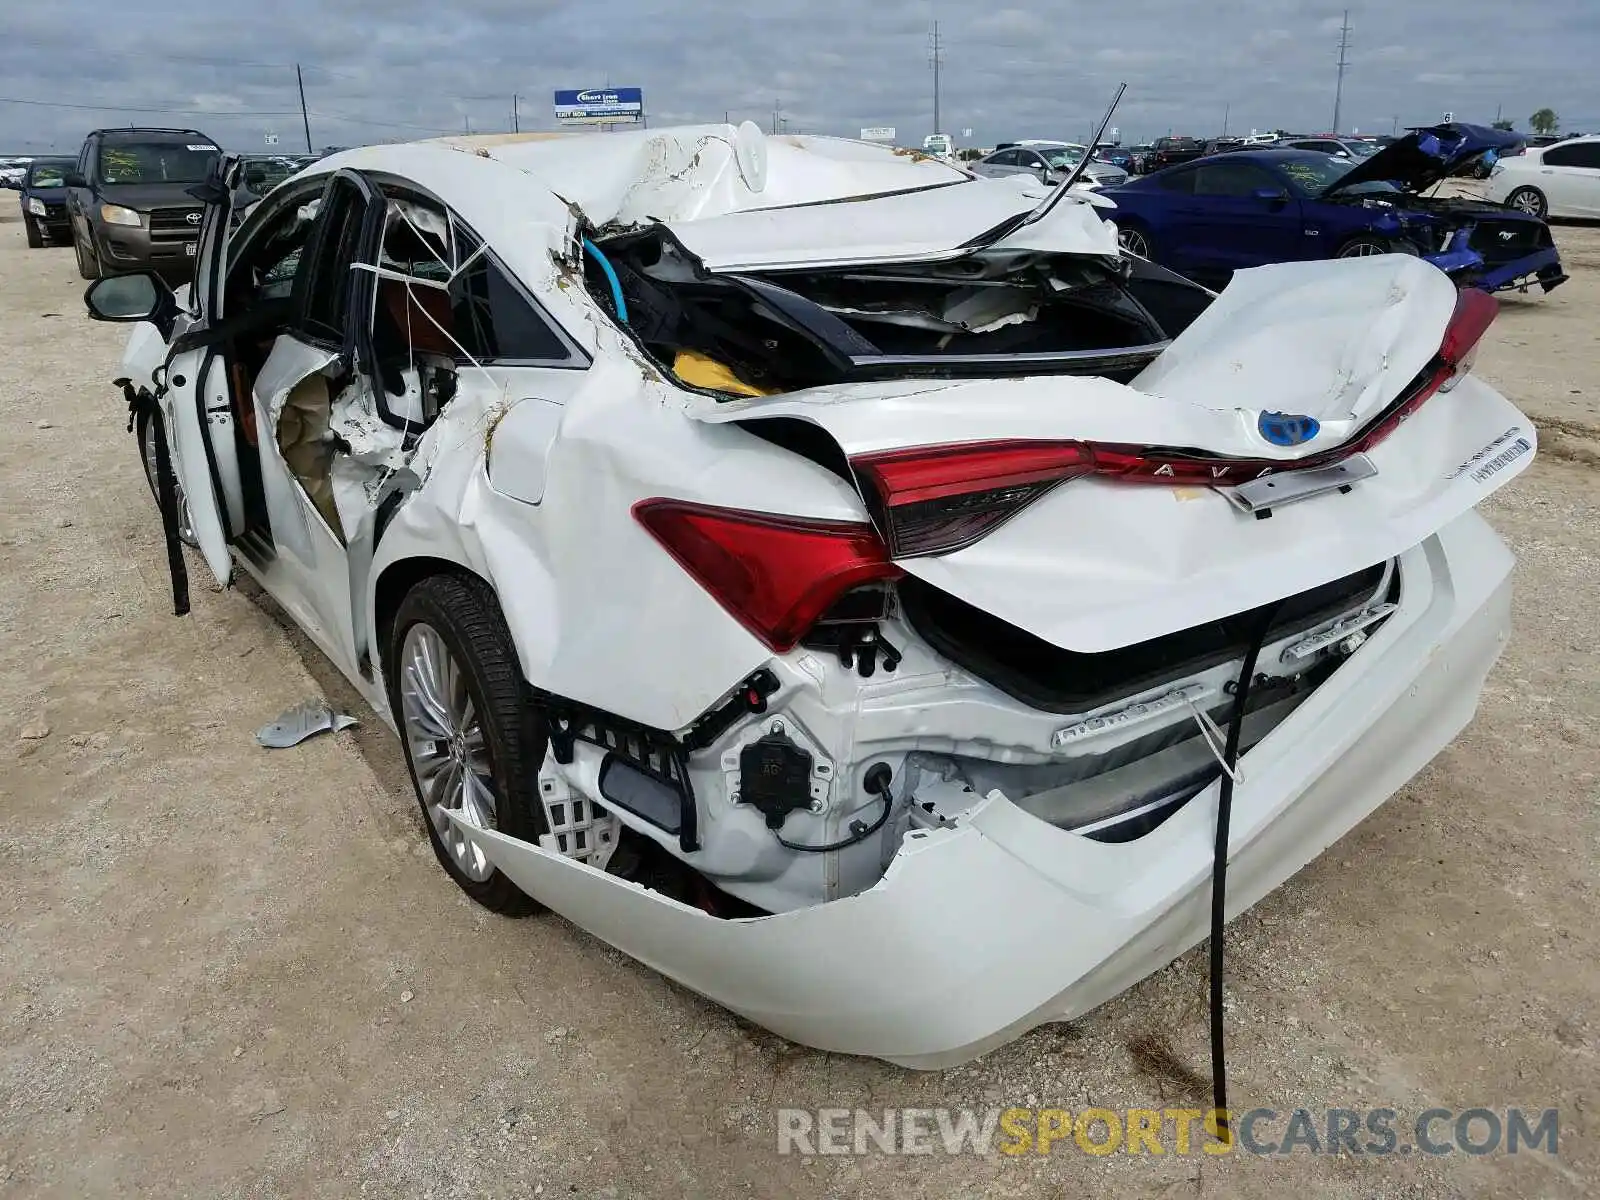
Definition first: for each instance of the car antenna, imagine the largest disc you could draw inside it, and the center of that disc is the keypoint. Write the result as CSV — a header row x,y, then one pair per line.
x,y
1011,224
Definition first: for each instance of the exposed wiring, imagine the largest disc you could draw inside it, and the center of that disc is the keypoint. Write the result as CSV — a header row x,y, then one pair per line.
x,y
877,783
1219,865
611,276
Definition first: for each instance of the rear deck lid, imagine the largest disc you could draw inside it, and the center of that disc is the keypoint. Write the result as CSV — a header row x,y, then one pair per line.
x,y
1098,563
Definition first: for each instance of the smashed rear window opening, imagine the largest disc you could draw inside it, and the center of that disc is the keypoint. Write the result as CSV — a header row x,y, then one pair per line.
x,y
994,313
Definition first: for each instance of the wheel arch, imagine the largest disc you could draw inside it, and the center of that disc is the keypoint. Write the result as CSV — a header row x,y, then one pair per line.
x,y
390,586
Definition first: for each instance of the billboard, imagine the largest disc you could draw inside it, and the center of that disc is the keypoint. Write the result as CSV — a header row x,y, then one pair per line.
x,y
600,106
878,133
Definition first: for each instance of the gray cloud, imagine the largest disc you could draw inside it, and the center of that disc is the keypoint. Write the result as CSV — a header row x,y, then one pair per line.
x,y
394,69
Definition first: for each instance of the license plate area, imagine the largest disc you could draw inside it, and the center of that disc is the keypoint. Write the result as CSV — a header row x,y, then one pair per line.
x,y
1261,496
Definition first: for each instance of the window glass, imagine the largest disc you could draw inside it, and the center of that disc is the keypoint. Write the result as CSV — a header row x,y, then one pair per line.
x,y
1005,158
1579,154
496,320
328,299
456,301
1225,178
49,175
1177,181
155,162
264,266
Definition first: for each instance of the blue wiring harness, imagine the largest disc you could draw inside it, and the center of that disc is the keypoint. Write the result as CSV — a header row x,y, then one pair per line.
x,y
611,277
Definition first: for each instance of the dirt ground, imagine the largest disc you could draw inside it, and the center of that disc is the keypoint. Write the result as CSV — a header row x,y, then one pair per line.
x,y
232,972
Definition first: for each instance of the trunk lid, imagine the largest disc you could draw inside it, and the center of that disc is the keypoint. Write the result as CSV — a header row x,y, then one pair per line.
x,y
1097,564
1425,157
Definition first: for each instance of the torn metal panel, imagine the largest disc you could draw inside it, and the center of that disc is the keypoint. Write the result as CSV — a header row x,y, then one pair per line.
x,y
301,722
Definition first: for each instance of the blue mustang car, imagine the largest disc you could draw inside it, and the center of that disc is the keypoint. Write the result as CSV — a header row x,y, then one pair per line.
x,y
1219,214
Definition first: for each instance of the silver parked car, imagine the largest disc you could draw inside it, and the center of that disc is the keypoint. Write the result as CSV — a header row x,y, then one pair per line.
x,y
1051,162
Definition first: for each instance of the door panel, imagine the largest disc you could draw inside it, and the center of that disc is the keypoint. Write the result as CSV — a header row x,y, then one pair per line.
x,y
1570,176
310,577
1232,228
197,404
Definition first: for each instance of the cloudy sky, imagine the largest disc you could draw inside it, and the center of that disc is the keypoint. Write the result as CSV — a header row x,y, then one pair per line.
x,y
380,70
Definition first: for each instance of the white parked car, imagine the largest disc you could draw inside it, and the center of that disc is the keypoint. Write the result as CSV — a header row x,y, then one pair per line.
x,y
1561,180
1049,162
851,587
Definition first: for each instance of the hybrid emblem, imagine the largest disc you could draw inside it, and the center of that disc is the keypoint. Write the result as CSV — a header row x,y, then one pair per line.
x,y
1287,429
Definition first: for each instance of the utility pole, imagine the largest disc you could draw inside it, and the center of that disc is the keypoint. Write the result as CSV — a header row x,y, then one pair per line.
x,y
776,105
1344,49
516,118
304,118
936,57
1227,110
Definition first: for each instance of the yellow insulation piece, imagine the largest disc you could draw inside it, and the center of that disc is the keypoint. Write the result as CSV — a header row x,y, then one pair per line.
x,y
697,370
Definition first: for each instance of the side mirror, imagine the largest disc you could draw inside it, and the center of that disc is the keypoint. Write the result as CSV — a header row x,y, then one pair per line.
x,y
76,179
142,296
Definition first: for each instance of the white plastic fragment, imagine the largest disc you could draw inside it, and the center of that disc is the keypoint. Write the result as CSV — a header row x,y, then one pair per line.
x,y
301,722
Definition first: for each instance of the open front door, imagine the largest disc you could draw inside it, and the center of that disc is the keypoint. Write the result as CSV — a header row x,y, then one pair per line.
x,y
197,403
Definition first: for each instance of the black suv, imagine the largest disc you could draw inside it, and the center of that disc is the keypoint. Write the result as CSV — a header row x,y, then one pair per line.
x,y
129,204
44,200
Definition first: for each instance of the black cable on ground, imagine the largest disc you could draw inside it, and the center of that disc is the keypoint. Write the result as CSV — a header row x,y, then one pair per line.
x,y
1219,866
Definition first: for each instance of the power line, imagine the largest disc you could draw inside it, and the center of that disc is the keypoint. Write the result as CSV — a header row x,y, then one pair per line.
x,y
176,112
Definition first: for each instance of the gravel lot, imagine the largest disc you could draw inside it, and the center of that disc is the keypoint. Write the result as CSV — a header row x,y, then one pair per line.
x,y
229,972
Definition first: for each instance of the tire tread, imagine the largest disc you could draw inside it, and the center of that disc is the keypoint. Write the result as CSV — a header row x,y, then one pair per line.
x,y
464,610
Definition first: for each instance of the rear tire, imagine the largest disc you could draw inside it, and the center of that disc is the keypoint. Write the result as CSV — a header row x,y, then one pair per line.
x,y
1529,200
473,743
35,234
88,264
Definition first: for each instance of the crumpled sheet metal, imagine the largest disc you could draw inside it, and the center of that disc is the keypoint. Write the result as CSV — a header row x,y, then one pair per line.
x,y
301,722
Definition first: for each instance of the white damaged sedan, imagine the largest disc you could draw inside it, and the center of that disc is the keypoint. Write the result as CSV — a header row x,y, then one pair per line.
x,y
851,587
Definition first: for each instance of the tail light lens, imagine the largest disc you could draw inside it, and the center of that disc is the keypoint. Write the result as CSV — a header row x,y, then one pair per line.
x,y
938,499
1475,312
775,574
935,499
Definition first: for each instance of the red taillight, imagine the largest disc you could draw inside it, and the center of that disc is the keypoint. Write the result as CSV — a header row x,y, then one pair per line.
x,y
776,574
935,499
1475,312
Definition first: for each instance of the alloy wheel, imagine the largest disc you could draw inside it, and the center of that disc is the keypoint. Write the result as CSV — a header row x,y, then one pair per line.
x,y
1528,201
1133,242
1364,248
449,753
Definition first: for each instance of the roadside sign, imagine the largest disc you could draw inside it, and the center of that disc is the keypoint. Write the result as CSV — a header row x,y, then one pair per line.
x,y
966,133
601,106
272,139
878,133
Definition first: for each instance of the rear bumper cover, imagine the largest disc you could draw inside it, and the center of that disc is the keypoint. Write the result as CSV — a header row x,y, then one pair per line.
x,y
980,932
